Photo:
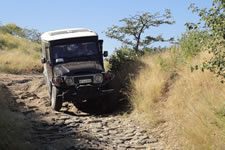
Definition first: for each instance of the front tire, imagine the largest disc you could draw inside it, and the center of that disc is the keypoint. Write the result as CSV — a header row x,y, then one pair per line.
x,y
108,103
56,101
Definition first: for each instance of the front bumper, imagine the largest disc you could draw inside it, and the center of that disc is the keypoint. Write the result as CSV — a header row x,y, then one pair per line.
x,y
85,92
78,90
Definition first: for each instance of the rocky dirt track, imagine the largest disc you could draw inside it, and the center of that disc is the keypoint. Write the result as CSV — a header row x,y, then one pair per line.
x,y
72,129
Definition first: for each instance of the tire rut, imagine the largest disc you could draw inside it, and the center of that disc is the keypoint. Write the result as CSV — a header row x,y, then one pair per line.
x,y
72,129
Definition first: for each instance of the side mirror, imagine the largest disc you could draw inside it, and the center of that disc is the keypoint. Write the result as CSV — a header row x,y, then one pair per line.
x,y
105,54
43,60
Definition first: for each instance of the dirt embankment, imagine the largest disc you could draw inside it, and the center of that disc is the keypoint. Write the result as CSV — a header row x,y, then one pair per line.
x,y
70,128
13,124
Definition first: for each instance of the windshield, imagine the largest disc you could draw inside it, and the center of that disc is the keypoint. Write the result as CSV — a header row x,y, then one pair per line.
x,y
75,50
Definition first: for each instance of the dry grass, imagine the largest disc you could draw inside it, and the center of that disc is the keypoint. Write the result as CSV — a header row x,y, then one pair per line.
x,y
188,107
193,104
17,62
147,89
18,55
106,65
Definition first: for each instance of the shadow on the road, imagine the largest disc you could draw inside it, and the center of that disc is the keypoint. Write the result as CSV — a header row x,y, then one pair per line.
x,y
97,109
121,84
43,134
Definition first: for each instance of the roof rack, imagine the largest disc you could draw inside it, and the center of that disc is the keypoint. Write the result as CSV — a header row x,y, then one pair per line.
x,y
67,33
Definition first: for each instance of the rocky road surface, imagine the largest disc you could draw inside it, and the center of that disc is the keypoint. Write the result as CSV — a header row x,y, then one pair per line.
x,y
72,129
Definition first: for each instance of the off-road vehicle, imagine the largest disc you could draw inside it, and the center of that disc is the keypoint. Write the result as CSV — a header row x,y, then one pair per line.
x,y
74,67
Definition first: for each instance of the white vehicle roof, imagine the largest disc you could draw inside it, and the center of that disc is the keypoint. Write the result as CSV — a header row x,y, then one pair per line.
x,y
67,33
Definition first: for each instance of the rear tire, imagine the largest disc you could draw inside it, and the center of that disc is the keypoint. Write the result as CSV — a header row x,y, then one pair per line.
x,y
56,101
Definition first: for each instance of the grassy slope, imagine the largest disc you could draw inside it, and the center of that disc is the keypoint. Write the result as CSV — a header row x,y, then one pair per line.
x,y
188,107
18,55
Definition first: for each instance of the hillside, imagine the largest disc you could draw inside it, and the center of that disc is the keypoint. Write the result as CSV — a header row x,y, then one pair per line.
x,y
19,55
184,108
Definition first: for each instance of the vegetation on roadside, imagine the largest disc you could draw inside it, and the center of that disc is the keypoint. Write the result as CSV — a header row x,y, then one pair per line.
x,y
184,107
187,106
213,20
29,34
135,43
132,31
18,54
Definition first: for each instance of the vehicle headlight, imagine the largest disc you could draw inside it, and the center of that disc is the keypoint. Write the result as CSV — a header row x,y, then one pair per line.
x,y
57,80
69,81
98,78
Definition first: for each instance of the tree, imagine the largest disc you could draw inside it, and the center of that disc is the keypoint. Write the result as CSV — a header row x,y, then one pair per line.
x,y
134,27
32,35
12,29
214,20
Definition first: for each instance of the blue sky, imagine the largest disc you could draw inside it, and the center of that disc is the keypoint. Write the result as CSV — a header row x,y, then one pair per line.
x,y
46,15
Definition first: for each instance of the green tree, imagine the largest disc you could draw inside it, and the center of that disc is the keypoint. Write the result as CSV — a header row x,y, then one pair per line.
x,y
12,29
120,57
192,42
130,34
32,35
214,21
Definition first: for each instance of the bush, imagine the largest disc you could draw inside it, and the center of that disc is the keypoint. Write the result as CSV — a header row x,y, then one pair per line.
x,y
193,42
2,43
12,29
125,63
120,57
213,20
7,42
173,61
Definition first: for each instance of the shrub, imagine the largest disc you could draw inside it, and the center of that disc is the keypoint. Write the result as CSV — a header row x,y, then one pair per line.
x,y
213,20
193,42
2,43
125,63
12,29
172,61
29,34
120,57
7,42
